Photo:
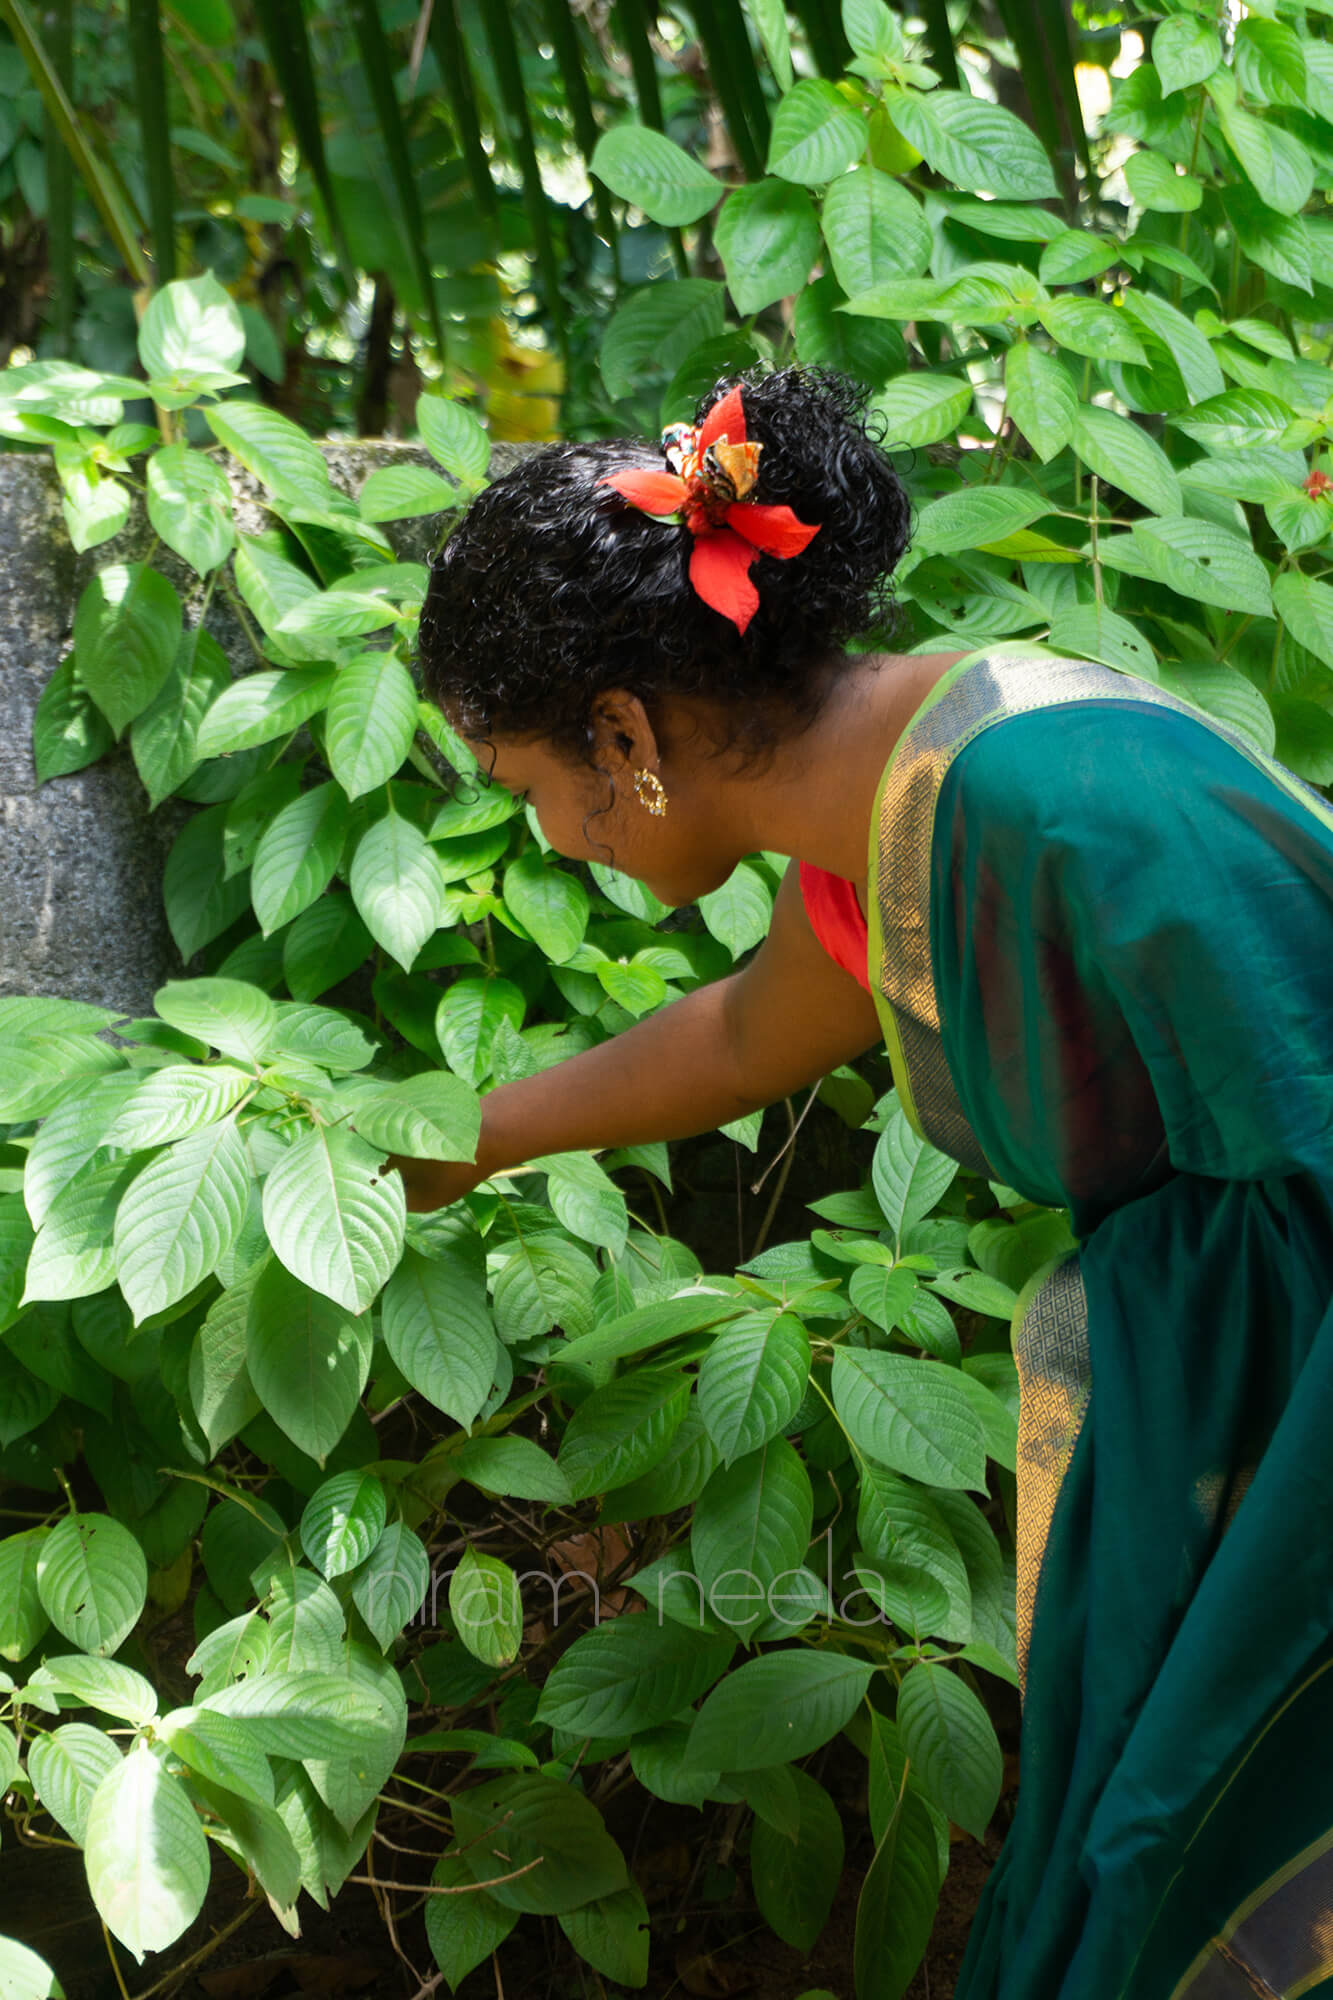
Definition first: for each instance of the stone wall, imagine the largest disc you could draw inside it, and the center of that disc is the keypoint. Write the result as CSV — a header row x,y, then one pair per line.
x,y
81,857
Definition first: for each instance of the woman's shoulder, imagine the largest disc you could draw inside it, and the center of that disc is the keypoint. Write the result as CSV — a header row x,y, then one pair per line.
x,y
1064,744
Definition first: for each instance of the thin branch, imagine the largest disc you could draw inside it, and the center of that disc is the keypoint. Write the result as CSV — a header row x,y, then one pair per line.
x,y
445,1889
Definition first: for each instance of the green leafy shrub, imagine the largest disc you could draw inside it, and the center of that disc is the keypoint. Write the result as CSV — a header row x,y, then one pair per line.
x,y
215,1309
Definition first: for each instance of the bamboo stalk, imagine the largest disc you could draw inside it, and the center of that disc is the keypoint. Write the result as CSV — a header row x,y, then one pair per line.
x,y
122,224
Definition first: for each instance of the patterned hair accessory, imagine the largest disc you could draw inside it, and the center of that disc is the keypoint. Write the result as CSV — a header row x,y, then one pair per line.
x,y
714,467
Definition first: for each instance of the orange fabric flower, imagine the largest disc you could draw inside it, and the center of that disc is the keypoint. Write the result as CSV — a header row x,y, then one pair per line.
x,y
719,464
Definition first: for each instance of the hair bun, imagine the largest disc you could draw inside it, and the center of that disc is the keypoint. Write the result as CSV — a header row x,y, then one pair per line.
x,y
553,586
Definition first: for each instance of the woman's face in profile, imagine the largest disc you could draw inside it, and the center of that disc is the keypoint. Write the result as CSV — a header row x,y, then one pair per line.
x,y
589,814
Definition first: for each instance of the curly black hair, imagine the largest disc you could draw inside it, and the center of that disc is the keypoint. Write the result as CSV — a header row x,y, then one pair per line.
x,y
552,587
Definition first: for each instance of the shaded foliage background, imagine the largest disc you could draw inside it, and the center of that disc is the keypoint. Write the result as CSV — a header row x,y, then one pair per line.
x,y
240,1387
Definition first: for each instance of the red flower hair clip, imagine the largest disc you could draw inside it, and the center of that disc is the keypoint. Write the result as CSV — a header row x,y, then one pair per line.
x,y
716,465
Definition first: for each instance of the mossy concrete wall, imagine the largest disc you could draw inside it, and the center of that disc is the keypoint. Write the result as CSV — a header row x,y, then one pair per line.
x,y
81,857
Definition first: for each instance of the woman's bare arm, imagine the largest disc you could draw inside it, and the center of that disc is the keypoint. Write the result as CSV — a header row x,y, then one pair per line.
x,y
730,1047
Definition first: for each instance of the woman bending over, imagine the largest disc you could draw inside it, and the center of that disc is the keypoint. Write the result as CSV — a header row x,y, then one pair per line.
x,y
1095,930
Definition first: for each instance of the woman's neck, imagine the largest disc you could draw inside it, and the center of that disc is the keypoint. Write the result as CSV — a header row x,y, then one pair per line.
x,y
814,798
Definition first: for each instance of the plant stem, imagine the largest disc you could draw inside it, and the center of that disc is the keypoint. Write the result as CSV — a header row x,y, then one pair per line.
x,y
115,1964
234,598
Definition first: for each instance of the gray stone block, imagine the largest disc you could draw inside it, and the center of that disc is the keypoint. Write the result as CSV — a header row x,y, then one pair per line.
x,y
81,857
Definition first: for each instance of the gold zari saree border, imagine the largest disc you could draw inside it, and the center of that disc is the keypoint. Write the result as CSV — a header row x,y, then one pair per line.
x,y
1051,1323
977,691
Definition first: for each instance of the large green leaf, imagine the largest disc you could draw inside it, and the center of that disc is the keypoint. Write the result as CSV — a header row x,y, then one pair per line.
x,y
751,1529
976,515
910,1175
453,436
1184,51
190,327
951,1740
259,707
145,1853
26,1976
92,1580
68,731
189,505
166,1105
72,1256
431,1116
895,1911
180,1216
796,1876
72,1136
738,914
342,1521
973,144
1040,398
768,237
403,492
816,134
546,1281
1123,454
1306,607
229,1014
1178,340
126,631
1085,326
1277,166
297,855
22,1616
66,1767
308,1359
397,886
898,1523
467,1019
438,1329
585,1199
921,409
201,900
752,1380
612,1934
551,904
307,1714
162,738
513,1466
648,169
370,721
270,586
391,1585
776,1708
276,450
657,328
486,1607
103,1684
334,1220
221,1392
466,1927
874,229
911,1416
530,1822
631,1674
1155,184
622,1430
1238,419
1205,563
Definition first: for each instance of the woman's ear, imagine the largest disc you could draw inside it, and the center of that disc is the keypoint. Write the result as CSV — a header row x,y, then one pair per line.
x,y
623,739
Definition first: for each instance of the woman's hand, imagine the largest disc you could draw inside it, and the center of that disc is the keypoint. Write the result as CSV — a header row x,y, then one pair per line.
x,y
432,1184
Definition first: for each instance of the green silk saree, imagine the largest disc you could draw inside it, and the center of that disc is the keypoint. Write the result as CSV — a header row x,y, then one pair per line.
x,y
1102,950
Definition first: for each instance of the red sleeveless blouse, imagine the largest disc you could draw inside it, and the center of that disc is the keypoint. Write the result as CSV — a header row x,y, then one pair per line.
x,y
836,920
